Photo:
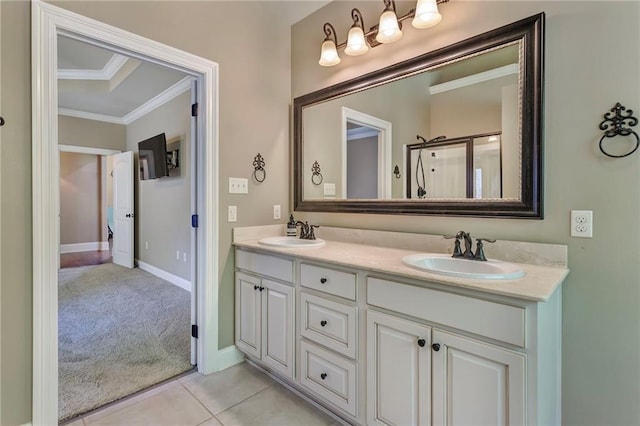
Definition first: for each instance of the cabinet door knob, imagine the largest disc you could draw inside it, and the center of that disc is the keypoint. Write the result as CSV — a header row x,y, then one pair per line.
x,y
422,342
323,280
436,347
323,323
323,376
1,121
261,288
255,287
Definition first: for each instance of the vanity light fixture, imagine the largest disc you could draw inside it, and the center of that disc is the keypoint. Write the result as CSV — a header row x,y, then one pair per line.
x,y
329,52
356,43
388,30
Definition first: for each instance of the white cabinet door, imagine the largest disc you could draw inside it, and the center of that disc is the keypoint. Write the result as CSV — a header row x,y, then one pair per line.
x,y
475,383
248,314
398,371
277,326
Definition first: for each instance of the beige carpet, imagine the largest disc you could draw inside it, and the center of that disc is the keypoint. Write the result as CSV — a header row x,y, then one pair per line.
x,y
120,330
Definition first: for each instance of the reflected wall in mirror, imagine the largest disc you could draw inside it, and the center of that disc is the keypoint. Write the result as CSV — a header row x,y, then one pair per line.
x,y
482,94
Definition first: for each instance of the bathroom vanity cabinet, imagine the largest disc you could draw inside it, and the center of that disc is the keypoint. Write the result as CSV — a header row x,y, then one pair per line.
x,y
264,311
379,343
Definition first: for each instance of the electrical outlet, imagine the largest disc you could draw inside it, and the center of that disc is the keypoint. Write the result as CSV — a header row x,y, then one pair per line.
x,y
582,223
276,211
238,186
146,244
178,255
184,256
232,214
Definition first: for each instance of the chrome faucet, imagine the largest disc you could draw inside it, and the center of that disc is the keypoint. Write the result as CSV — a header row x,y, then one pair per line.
x,y
468,242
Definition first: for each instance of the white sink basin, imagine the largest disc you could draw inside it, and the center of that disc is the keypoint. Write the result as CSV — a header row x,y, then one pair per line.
x,y
292,242
444,264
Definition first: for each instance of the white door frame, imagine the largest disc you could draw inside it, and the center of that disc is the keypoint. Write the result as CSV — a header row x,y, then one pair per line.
x,y
385,140
47,22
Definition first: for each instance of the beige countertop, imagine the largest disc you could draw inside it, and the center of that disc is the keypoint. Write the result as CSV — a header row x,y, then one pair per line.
x,y
538,285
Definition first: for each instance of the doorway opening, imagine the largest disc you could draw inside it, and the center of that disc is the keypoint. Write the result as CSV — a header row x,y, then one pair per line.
x,y
48,20
366,156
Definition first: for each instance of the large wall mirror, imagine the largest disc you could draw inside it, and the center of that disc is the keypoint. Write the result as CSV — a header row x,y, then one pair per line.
x,y
456,131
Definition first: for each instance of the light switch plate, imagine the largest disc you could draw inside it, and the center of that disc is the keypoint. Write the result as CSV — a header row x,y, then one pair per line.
x,y
238,186
330,189
276,211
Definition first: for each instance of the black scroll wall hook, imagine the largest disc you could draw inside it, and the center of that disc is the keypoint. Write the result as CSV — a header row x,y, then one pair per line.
x,y
316,175
618,122
259,173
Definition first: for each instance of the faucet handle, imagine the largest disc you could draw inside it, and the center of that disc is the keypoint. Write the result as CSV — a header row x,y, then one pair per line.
x,y
457,251
312,234
480,249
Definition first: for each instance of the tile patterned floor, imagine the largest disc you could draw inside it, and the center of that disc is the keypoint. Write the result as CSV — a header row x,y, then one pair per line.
x,y
240,395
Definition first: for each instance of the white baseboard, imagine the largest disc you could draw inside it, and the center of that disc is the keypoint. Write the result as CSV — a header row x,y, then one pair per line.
x,y
229,357
173,279
78,247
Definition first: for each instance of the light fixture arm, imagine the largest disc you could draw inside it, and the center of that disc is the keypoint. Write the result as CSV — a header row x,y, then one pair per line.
x,y
330,33
358,20
390,5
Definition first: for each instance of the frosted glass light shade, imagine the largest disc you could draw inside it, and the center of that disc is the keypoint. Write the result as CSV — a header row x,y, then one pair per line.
x,y
388,28
427,14
356,44
329,54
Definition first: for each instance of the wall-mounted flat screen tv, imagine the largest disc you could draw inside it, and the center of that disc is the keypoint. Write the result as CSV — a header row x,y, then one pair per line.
x,y
152,157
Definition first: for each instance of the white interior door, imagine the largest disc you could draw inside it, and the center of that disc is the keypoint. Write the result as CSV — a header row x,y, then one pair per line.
x,y
123,212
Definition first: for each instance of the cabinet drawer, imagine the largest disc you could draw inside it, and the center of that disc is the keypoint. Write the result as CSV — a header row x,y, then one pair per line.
x,y
329,376
330,324
494,320
340,283
265,264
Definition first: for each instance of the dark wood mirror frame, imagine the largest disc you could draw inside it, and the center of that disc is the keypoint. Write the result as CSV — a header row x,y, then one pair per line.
x,y
531,31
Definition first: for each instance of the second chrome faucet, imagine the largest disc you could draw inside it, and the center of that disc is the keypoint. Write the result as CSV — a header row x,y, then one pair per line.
x,y
468,243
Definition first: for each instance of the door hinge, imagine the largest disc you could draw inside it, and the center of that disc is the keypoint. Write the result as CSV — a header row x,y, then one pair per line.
x,y
194,331
194,110
194,220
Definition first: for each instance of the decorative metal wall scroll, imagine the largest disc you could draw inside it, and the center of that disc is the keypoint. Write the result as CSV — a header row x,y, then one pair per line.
x,y
618,122
316,177
396,172
259,173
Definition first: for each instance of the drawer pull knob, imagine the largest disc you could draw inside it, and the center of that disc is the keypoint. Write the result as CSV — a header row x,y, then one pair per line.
x,y
323,376
323,323
323,280
422,342
436,347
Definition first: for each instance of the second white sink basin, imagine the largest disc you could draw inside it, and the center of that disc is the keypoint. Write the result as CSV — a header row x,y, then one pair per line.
x,y
292,242
444,264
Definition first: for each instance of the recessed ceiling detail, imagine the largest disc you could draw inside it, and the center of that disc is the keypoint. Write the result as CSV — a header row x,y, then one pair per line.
x,y
98,84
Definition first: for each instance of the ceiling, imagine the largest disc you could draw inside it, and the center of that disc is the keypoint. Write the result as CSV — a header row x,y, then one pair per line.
x,y
98,84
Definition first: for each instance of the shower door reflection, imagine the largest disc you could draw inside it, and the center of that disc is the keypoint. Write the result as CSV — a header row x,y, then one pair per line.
x,y
467,167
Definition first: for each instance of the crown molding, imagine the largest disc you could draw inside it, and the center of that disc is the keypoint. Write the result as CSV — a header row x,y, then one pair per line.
x,y
159,100
156,102
90,116
110,69
475,79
